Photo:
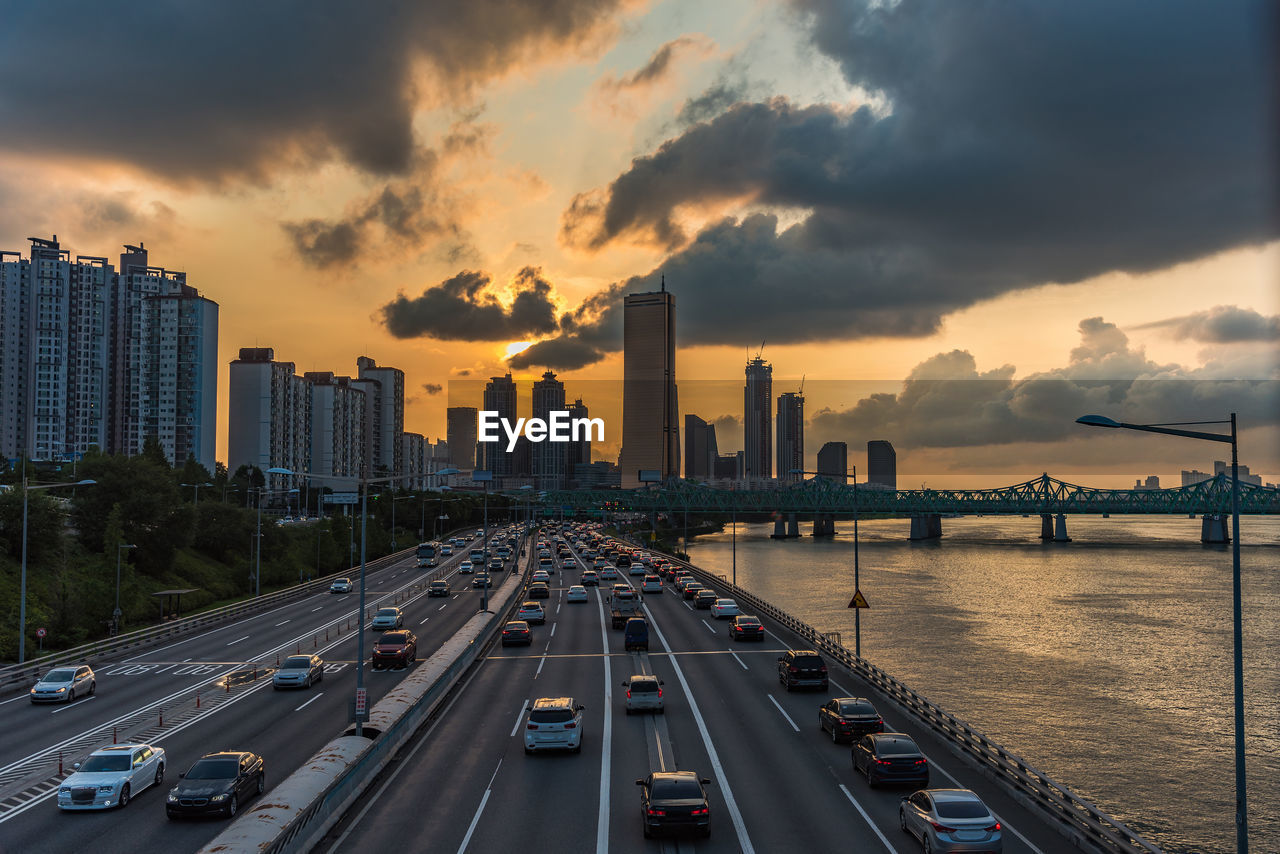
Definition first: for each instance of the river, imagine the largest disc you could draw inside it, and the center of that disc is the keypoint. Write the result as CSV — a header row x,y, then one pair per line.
x,y
1105,662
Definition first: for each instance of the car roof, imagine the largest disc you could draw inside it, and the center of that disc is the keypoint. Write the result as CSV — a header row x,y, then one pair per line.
x,y
227,754
954,795
118,748
675,775
531,604
395,635
553,703
644,677
518,623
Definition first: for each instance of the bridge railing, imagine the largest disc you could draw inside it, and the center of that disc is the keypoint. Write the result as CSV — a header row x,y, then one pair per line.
x,y
13,675
1076,817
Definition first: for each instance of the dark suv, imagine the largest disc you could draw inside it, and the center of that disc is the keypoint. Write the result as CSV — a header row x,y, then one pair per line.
x,y
802,668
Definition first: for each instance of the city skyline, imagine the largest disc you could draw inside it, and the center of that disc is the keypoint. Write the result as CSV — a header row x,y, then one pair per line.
x,y
490,209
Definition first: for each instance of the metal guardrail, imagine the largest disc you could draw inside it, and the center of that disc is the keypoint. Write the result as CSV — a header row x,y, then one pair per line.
x,y
1074,816
350,770
26,673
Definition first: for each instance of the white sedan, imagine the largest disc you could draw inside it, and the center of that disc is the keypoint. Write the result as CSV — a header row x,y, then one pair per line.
x,y
341,585
651,584
723,609
576,593
111,776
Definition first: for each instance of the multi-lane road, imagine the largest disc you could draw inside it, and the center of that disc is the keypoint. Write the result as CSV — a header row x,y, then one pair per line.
x,y
778,782
177,696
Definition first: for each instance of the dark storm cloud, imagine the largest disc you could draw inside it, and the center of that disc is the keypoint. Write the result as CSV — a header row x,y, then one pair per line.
x,y
560,353
947,402
463,308
1222,324
1021,144
715,99
204,92
586,334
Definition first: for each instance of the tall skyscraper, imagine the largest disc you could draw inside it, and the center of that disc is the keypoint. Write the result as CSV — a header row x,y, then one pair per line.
x,y
757,421
548,457
499,397
94,358
882,464
650,408
700,450
269,415
833,462
387,417
337,431
578,451
790,437
461,429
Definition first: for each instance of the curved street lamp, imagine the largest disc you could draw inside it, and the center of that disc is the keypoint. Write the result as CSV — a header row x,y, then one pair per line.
x,y
1242,813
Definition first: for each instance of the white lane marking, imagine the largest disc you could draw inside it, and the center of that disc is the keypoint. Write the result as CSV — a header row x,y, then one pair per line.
x,y
15,699
237,640
163,669
424,619
722,779
708,625
309,702
606,744
739,660
455,596
313,610
278,625
519,717
538,672
186,660
445,605
687,605
958,784
867,818
553,630
557,608
476,819
71,705
783,711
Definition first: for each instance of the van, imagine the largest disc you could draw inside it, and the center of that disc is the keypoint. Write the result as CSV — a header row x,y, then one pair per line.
x,y
635,635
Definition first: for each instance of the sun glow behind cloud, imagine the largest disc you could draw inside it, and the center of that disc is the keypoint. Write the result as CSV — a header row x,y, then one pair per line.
x,y
516,347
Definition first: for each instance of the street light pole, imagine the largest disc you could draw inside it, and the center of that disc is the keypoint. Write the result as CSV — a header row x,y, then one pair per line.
x,y
857,582
117,613
1242,812
27,488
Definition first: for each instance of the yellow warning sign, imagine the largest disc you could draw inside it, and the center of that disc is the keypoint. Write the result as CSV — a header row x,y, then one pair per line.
x,y
858,600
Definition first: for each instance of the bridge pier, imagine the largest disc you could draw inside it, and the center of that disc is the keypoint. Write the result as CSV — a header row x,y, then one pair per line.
x,y
1060,529
1215,529
926,526
785,528
1046,526
793,525
824,525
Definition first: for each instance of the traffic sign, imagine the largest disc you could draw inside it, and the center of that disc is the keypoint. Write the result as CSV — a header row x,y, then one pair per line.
x,y
362,703
342,498
41,633
858,600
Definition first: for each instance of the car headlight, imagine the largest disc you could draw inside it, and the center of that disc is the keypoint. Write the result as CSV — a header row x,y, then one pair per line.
x,y
61,690
107,787
219,798
173,795
65,790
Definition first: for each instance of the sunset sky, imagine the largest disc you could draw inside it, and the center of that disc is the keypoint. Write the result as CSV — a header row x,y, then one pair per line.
x,y
964,224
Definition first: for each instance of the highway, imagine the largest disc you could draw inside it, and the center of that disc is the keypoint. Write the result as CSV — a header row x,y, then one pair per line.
x,y
778,782
177,696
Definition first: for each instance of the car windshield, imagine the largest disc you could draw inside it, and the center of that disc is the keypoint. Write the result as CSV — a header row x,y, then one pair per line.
x,y
896,747
213,769
807,661
386,612
394,638
748,621
108,762
59,676
856,707
725,603
296,661
678,788
961,809
550,716
516,626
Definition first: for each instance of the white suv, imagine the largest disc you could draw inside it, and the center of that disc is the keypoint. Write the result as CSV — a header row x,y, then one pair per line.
x,y
555,723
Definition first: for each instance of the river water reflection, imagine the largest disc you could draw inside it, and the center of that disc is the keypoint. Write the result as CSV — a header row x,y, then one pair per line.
x,y
1105,662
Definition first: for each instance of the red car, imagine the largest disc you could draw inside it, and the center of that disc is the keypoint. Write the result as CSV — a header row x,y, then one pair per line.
x,y
395,649
746,628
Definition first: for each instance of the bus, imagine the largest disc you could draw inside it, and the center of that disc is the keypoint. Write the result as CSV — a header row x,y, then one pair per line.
x,y
427,553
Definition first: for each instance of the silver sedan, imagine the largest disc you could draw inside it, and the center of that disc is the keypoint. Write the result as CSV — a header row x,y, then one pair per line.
x,y
298,671
950,820
111,776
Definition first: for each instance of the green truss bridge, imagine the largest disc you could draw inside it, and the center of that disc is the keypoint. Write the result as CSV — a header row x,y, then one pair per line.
x,y
824,499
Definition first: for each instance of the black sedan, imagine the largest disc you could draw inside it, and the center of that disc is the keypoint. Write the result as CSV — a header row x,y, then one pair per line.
x,y
849,718
516,632
891,757
217,784
744,628
674,802
438,588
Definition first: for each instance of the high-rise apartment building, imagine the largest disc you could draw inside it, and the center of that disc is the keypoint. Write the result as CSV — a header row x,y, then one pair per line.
x,y
269,415
650,408
386,416
548,457
337,431
833,462
94,358
700,450
790,437
757,421
579,450
499,397
461,429
413,456
882,464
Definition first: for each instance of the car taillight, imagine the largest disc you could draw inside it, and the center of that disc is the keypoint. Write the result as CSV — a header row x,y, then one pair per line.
x,y
992,828
794,669
656,812
883,762
628,693
570,725
922,761
659,693
532,726
702,811
942,828
823,668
